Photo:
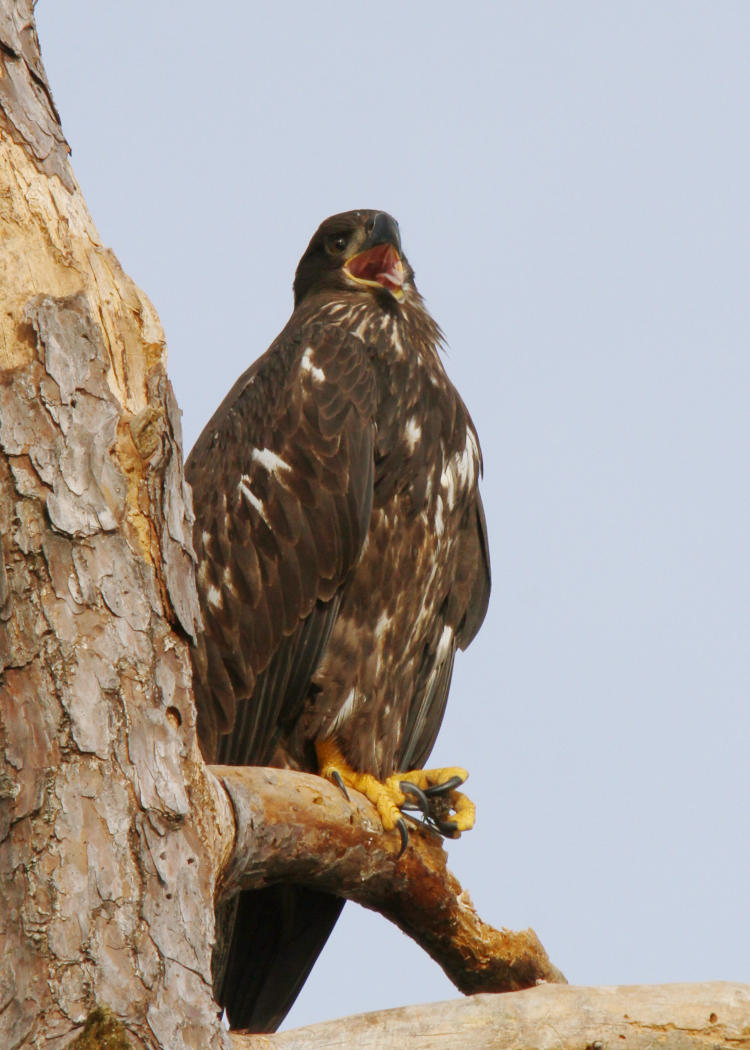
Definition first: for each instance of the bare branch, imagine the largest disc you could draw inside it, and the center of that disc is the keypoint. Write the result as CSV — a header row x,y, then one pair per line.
x,y
294,827
674,1017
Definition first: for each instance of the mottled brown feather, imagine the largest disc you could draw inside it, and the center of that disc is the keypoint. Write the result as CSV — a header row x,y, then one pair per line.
x,y
342,560
299,548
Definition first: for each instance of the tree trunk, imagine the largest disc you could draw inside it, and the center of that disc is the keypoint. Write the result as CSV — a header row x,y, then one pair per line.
x,y
105,805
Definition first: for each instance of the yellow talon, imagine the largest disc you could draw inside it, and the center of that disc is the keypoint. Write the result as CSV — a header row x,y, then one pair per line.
x,y
387,797
460,810
427,778
464,811
331,762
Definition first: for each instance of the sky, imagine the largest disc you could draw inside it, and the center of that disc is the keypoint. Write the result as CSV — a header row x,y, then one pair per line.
x,y
571,181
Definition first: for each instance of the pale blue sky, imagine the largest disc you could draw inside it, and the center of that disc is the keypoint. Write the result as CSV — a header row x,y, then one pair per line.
x,y
571,182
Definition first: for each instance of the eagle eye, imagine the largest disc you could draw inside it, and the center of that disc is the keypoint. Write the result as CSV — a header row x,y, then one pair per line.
x,y
336,243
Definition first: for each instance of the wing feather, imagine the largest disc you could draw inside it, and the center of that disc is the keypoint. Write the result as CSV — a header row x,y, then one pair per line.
x,y
291,450
426,712
462,614
474,566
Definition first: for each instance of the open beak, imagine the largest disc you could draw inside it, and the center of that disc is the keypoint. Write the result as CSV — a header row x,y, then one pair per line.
x,y
378,266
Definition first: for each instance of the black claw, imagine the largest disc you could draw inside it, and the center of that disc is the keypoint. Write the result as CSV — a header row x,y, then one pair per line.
x,y
404,833
336,776
449,828
419,796
444,788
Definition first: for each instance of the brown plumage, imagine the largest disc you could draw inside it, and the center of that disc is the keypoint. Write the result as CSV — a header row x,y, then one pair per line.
x,y
342,559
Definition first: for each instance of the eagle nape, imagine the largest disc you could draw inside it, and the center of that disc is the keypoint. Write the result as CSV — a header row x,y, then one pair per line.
x,y
431,791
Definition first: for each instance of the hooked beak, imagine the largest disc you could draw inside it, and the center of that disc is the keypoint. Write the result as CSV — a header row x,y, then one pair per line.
x,y
379,264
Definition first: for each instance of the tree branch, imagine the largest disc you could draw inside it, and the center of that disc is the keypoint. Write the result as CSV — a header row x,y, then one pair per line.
x,y
673,1017
294,827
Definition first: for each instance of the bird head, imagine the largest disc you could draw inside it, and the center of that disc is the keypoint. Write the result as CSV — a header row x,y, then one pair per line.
x,y
354,251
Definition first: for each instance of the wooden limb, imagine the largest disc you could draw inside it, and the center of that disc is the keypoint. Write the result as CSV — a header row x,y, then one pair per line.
x,y
297,828
714,1016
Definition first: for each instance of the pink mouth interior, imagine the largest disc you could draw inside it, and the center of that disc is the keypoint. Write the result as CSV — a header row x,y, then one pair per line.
x,y
381,264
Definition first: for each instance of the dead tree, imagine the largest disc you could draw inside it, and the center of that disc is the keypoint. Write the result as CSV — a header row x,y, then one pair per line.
x,y
115,839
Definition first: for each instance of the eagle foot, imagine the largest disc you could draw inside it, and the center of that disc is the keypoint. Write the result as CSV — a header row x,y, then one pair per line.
x,y
386,797
432,814
404,833
444,788
432,791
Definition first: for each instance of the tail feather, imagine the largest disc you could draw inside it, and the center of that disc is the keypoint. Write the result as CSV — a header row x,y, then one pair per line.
x,y
267,943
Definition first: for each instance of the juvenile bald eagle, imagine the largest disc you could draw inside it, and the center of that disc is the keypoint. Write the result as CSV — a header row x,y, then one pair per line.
x,y
342,558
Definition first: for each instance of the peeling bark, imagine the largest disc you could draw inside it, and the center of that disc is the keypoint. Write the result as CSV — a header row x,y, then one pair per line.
x,y
293,827
27,109
107,815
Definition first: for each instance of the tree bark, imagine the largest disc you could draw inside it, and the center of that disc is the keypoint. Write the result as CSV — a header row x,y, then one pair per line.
x,y
293,827
106,810
714,1016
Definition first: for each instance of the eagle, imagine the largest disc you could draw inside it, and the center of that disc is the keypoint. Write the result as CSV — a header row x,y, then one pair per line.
x,y
342,559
